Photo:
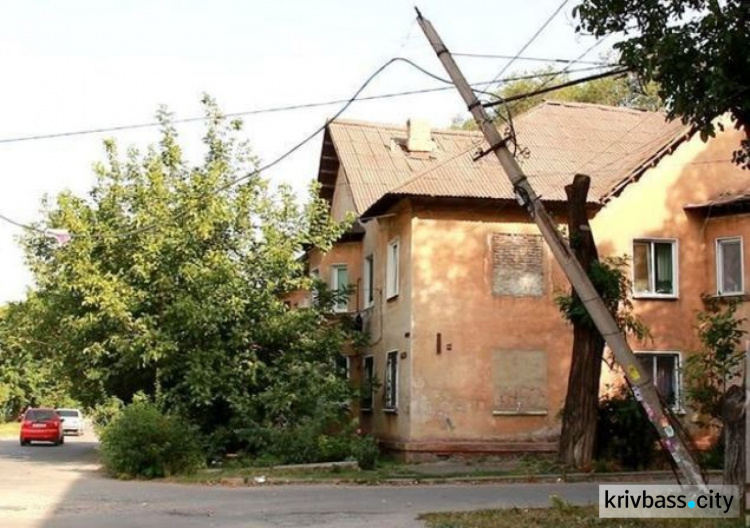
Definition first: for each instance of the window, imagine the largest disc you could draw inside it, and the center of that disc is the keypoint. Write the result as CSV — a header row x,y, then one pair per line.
x,y
729,268
368,278
655,268
340,285
391,381
664,370
391,270
368,381
343,366
315,276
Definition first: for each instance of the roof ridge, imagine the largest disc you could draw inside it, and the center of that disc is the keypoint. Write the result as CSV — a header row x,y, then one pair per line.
x,y
604,107
402,128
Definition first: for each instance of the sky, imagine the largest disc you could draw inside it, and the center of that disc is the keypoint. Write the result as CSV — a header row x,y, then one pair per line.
x,y
90,64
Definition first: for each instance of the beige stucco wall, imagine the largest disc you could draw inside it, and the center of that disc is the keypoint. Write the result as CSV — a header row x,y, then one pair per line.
x,y
729,227
653,207
342,202
452,295
389,323
446,274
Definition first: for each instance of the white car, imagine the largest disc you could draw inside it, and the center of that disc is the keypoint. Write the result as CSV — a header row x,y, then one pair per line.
x,y
72,421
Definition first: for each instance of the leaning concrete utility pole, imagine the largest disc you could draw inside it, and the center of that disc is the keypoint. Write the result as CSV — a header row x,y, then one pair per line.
x,y
643,390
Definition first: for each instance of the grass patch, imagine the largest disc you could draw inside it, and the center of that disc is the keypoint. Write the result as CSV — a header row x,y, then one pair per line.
x,y
281,474
10,429
557,517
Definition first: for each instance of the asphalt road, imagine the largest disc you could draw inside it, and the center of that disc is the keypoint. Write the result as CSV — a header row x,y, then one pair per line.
x,y
59,487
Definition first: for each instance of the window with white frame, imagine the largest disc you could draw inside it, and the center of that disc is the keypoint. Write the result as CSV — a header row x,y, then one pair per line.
x,y
729,266
340,286
391,269
664,369
655,268
368,279
368,383
391,381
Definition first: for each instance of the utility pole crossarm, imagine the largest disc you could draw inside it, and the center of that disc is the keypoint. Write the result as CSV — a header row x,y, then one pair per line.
x,y
643,389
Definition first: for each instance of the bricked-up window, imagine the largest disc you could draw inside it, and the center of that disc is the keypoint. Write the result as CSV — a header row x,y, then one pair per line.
x,y
391,381
729,268
391,269
368,382
517,265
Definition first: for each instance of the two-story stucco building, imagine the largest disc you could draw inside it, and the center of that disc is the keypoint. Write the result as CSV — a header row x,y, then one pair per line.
x,y
456,288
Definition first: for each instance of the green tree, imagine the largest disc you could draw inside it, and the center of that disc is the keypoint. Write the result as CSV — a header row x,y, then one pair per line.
x,y
697,50
713,375
710,372
29,369
173,285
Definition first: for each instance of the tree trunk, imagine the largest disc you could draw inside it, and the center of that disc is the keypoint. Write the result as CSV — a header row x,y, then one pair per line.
x,y
579,417
733,416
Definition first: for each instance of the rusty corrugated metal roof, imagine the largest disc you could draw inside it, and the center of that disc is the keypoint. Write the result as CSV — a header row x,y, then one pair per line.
x,y
561,139
722,199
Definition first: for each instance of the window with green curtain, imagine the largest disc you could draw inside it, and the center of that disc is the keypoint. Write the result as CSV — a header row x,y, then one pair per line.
x,y
654,267
664,280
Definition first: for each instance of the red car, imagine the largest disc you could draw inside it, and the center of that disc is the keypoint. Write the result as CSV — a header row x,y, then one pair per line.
x,y
41,425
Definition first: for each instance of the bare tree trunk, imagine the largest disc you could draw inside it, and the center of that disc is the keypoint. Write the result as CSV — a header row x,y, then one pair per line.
x,y
579,419
733,416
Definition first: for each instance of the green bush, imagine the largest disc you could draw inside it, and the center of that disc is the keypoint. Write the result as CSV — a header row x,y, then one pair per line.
x,y
105,412
141,441
366,452
625,433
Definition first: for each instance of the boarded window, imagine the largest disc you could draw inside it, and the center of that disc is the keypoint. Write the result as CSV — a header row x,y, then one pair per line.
x,y
519,379
517,265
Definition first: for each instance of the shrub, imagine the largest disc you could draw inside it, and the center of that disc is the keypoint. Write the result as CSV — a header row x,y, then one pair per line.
x,y
105,412
624,433
143,442
366,452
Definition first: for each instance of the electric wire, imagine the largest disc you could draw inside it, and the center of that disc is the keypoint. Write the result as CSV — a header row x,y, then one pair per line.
x,y
529,59
240,179
347,103
531,40
283,108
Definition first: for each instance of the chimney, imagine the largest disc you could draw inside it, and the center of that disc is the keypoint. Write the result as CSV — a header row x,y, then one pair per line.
x,y
419,136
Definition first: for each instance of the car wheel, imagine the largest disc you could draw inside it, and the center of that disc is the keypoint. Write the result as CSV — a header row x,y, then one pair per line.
x,y
24,442
62,440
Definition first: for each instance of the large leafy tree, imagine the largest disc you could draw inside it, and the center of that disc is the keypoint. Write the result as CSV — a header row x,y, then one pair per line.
x,y
172,285
28,371
697,50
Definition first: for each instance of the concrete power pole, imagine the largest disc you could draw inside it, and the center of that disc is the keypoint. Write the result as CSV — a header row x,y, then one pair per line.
x,y
644,391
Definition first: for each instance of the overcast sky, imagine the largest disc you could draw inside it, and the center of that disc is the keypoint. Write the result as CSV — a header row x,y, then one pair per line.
x,y
78,65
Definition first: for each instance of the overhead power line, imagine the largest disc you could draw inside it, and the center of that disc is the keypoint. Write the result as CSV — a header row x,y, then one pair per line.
x,y
532,39
530,59
283,108
620,71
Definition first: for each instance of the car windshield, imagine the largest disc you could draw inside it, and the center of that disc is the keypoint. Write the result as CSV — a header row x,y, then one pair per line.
x,y
67,413
39,415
